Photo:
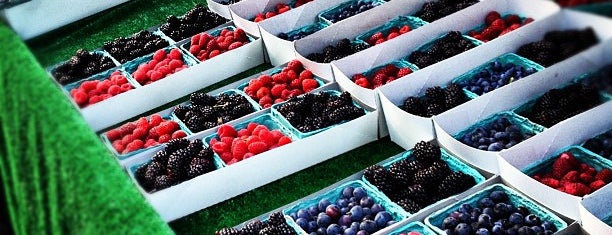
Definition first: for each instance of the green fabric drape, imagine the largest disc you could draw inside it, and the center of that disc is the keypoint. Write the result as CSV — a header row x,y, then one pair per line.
x,y
57,175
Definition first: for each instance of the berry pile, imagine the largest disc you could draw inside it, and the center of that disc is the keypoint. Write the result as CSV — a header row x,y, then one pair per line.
x,y
343,48
354,212
160,66
495,76
571,176
414,184
380,37
349,10
600,79
291,81
571,3
497,26
296,35
436,101
139,44
91,92
205,46
381,76
495,214
279,9
81,65
316,111
274,225
179,161
494,136
601,144
558,45
236,145
196,20
435,10
453,43
206,111
557,105
143,133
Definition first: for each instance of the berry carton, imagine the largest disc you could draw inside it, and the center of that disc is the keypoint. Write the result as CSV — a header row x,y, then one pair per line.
x,y
517,164
204,44
247,14
413,227
515,198
394,24
453,163
117,78
596,211
53,70
427,46
354,7
140,67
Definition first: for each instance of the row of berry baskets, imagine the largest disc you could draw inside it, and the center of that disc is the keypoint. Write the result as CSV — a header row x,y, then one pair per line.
x,y
254,119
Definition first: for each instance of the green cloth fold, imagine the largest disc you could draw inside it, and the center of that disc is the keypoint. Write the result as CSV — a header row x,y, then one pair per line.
x,y
57,175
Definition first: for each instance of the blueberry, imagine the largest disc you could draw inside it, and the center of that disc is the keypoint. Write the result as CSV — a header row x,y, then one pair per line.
x,y
548,232
463,229
501,135
483,147
356,213
482,231
313,211
486,202
312,226
355,226
537,229
465,218
484,84
501,210
485,220
523,210
515,218
488,211
362,232
313,233
334,229
322,231
347,192
367,211
465,208
547,225
376,208
342,202
382,218
510,144
303,223
532,220
486,89
333,211
495,147
497,230
344,210
303,214
526,230
529,71
349,231
345,220
359,192
323,203
294,216
368,225
323,220
512,231
366,201
449,223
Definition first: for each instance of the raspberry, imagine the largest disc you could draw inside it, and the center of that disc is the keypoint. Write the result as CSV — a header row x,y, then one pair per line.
x,y
140,77
153,133
247,155
285,94
133,146
140,133
564,164
89,85
309,85
266,80
239,149
178,134
392,36
220,147
114,90
164,138
363,82
375,37
127,139
226,131
118,146
257,147
403,72
127,128
150,143
227,140
586,178
251,127
227,157
378,80
264,91
553,183
159,55
230,162
80,98
155,75
212,45
195,39
277,90
155,120
491,16
255,84
213,53
267,137
113,135
295,65
265,100
512,19
295,84
126,87
572,176
404,29
234,45
258,129
194,49
597,184
527,21
243,132
306,74
223,46
490,33
604,175
284,140
165,128
240,35
174,64
576,189
204,39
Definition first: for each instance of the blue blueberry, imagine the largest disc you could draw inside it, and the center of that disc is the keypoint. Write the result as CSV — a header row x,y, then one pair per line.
x,y
356,213
303,223
390,222
465,218
482,231
334,229
501,210
355,226
359,192
323,220
349,231
345,220
322,231
303,214
486,202
488,211
515,218
449,223
367,211
347,192
323,203
532,220
344,210
465,208
362,232
497,230
342,202
526,230
312,226
463,229
366,201
382,218
313,211
485,220
368,225
547,225
376,208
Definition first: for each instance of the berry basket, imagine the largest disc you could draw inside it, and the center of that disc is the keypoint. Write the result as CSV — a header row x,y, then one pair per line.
x,y
182,124
504,60
516,199
525,126
121,156
414,227
295,131
132,66
481,27
326,16
305,30
583,155
431,43
266,119
453,163
100,51
185,44
413,22
603,149
393,209
398,63
101,77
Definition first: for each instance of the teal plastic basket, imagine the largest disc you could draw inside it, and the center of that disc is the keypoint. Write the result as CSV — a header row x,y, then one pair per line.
x,y
583,155
413,22
414,227
453,163
504,60
393,209
254,104
608,220
525,126
295,131
132,66
481,27
397,63
434,220
266,119
51,69
101,77
325,16
121,156
185,45
431,43
602,8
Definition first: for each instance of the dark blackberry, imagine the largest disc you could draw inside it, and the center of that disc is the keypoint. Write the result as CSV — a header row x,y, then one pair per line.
x,y
227,231
409,205
284,229
176,144
276,219
178,164
434,109
435,95
196,145
180,111
453,96
432,11
140,175
154,169
418,194
345,113
81,65
196,124
161,157
426,152
401,176
455,183
253,228
432,175
199,166
449,45
202,99
381,178
557,105
344,45
413,105
162,182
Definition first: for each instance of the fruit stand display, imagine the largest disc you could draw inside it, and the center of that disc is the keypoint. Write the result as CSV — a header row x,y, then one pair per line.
x,y
501,108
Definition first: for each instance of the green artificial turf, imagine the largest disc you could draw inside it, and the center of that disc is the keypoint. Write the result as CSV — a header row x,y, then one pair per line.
x,y
136,15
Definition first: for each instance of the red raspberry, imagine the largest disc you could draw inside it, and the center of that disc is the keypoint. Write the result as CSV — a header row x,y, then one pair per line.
x,y
492,16
586,178
378,80
232,161
240,35
283,10
211,45
243,133
239,149
363,82
142,123
285,94
126,87
259,17
277,90
119,79
229,39
255,84
159,55
164,128
306,74
564,164
295,84
179,134
150,143
127,139
266,80
258,129
405,29
155,76
140,133
527,21
104,85
164,138
294,93
252,139
131,147
266,100
295,65
597,184
264,91
291,75
251,127
164,70
375,37
572,176
390,79
223,46
80,98
174,64
499,23
403,72
270,14
309,85
284,140
127,128
155,120
227,140
553,183
392,36
140,76
227,158
267,137
89,85
194,49
114,90
226,130
113,134
490,33
576,189
118,146
213,53
247,155
195,39
512,19
234,45
257,147
605,175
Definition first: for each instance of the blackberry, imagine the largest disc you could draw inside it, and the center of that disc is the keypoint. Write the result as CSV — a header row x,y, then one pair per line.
x,y
449,45
175,144
418,194
180,111
409,205
140,175
276,219
202,99
401,177
162,182
345,113
253,228
227,231
557,105
558,45
426,152
413,105
178,164
435,95
161,157
381,178
199,166
432,175
154,169
284,229
195,145
453,96
83,64
196,124
455,183
205,153
434,109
